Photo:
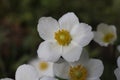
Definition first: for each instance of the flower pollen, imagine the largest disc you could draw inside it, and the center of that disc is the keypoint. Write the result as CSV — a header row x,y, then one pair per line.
x,y
108,37
63,37
78,72
43,65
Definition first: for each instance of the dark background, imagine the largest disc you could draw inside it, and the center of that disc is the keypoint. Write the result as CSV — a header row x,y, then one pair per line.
x,y
19,38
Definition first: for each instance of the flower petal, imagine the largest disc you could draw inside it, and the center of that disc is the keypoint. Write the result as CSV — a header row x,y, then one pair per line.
x,y
68,21
48,78
102,27
118,62
46,27
82,34
61,70
105,28
117,73
6,79
112,29
118,48
93,78
95,68
49,51
26,72
72,52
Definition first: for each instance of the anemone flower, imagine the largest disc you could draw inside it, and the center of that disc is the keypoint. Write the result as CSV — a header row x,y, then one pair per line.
x,y
84,69
105,34
65,37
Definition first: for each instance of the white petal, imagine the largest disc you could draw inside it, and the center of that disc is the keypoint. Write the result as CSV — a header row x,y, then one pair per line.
x,y
48,78
105,28
118,61
102,27
61,69
49,51
82,34
72,52
98,38
93,79
47,72
112,29
46,27
68,21
95,68
26,72
6,79
118,48
117,73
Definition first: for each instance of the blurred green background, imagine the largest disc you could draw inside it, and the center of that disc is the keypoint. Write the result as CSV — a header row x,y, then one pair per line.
x,y
19,38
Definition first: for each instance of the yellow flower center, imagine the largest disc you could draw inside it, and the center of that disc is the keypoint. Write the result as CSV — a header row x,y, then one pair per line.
x,y
78,72
108,37
43,65
63,37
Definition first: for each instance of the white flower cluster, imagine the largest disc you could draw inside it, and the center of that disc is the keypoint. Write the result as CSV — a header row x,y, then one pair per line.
x,y
62,53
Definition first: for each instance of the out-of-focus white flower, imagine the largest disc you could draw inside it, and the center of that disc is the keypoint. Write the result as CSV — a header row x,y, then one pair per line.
x,y
6,79
84,69
105,34
48,78
26,72
65,38
43,68
117,70
118,48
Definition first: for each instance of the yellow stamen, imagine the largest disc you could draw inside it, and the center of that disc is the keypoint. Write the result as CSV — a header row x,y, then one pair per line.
x,y
63,37
108,37
43,65
78,72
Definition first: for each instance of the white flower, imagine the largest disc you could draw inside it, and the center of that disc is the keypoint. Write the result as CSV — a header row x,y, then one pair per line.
x,y
117,71
43,68
6,79
84,69
26,72
118,48
105,34
64,37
